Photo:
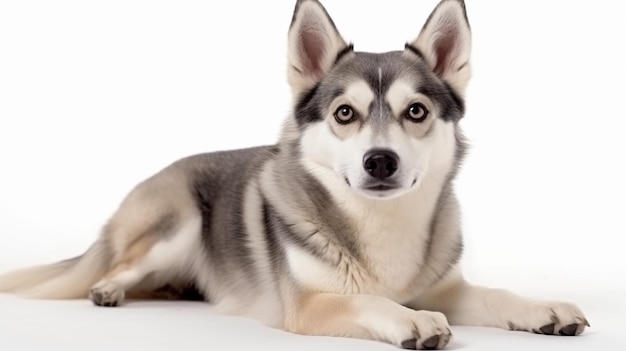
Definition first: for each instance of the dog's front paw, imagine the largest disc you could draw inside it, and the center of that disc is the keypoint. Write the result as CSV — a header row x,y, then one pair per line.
x,y
107,294
555,318
430,331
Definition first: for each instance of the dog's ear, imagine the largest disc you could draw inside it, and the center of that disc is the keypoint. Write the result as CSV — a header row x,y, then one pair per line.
x,y
445,42
314,45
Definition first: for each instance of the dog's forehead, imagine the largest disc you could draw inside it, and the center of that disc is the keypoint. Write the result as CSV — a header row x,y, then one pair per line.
x,y
379,71
369,78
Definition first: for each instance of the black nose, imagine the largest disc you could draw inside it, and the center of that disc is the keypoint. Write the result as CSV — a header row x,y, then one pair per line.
x,y
380,164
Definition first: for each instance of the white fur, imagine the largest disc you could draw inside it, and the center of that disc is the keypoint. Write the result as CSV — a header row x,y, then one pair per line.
x,y
311,272
396,324
166,257
392,230
168,254
343,158
358,95
466,304
401,94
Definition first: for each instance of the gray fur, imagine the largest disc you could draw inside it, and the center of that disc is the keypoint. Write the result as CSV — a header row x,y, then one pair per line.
x,y
366,66
217,182
315,203
279,233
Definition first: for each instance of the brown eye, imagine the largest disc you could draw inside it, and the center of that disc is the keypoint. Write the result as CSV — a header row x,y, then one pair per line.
x,y
344,114
417,113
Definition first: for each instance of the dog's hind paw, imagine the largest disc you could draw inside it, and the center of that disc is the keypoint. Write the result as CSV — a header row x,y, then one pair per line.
x,y
106,294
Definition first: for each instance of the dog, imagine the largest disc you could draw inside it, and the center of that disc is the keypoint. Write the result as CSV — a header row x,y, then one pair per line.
x,y
348,226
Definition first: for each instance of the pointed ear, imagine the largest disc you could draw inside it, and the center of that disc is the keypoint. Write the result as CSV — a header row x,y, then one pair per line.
x,y
314,45
445,42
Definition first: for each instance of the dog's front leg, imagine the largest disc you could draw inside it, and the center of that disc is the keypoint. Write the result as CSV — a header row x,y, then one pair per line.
x,y
366,317
466,304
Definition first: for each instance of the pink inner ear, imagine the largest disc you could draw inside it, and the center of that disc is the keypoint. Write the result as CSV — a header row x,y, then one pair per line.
x,y
313,49
445,48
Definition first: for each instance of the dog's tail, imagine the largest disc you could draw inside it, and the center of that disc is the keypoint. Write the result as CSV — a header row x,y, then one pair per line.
x,y
69,279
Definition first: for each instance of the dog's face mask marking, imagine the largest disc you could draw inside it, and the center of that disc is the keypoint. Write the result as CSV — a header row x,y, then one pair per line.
x,y
379,123
379,133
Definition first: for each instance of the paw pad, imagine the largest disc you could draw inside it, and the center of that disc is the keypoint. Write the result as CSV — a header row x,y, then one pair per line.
x,y
101,296
547,329
571,329
431,343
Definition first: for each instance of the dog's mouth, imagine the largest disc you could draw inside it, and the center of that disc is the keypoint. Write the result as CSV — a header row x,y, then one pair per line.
x,y
380,189
387,188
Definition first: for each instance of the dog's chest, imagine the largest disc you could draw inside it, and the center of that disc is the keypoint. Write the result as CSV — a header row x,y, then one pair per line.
x,y
393,250
392,242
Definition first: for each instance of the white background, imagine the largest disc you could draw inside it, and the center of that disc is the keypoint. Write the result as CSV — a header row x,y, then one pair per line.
x,y
97,96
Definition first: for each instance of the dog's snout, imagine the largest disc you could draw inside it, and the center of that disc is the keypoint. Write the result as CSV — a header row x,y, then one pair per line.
x,y
380,163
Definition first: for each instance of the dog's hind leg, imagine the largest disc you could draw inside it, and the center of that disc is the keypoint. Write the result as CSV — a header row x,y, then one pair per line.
x,y
154,233
148,255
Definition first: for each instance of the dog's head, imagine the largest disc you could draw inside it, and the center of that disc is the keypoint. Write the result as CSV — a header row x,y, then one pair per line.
x,y
378,123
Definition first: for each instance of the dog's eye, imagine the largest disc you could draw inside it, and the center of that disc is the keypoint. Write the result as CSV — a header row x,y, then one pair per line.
x,y
417,113
344,114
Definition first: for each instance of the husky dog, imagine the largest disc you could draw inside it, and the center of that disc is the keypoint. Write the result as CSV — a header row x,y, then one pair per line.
x,y
348,226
